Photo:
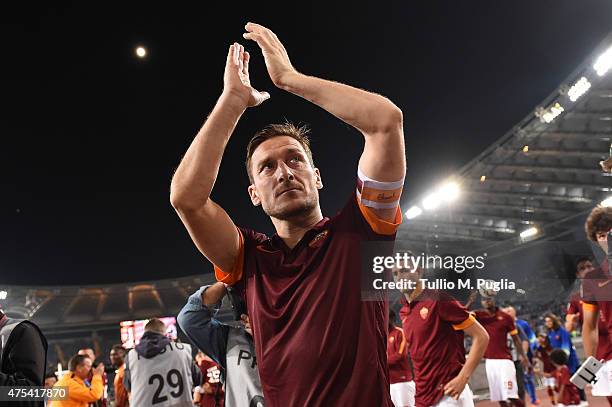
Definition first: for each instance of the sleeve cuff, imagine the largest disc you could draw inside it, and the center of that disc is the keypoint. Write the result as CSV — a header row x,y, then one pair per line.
x,y
378,225
235,274
514,332
586,306
465,324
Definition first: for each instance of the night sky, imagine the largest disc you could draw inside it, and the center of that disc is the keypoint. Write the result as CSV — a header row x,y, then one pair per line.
x,y
91,134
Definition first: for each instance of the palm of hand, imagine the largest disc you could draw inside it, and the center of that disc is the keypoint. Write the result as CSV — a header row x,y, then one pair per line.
x,y
237,80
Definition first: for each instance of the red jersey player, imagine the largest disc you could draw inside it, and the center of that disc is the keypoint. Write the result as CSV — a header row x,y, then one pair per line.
x,y
317,342
434,324
575,314
597,299
501,372
548,369
567,392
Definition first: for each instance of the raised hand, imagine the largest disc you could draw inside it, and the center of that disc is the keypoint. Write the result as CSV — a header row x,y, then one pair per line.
x,y
236,80
99,369
276,57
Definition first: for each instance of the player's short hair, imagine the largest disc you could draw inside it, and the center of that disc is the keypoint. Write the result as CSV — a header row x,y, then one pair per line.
x,y
119,348
155,325
76,361
599,220
558,356
278,130
581,260
50,375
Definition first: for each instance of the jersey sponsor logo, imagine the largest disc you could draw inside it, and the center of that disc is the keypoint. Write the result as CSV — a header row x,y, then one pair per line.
x,y
605,283
318,239
424,312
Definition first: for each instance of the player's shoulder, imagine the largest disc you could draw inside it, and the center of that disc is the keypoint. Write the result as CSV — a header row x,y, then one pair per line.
x,y
479,312
250,235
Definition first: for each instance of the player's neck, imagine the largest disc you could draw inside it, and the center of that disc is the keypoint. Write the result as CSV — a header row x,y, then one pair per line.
x,y
292,230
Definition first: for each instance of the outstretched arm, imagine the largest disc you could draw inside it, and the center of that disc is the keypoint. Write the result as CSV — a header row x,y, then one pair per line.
x,y
376,117
210,227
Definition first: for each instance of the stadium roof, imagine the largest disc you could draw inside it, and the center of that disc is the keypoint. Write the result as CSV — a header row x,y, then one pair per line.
x,y
66,307
543,173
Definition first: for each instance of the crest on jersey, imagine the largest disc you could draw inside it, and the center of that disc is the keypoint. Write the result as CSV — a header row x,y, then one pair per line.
x,y
391,339
318,239
424,312
499,318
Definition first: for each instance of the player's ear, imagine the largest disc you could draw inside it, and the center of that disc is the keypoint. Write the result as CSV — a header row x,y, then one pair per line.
x,y
253,194
319,181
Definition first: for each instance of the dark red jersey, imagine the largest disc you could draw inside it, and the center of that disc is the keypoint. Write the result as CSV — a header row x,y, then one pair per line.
x,y
397,356
433,323
498,326
317,342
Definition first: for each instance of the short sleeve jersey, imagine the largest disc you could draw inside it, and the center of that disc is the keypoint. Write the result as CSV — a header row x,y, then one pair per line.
x,y
433,324
597,294
604,345
498,325
317,342
397,356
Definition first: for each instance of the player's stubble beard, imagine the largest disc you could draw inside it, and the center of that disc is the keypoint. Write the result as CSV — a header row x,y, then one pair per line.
x,y
303,209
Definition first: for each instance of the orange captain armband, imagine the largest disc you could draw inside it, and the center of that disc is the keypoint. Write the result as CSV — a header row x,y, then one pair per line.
x,y
234,275
376,194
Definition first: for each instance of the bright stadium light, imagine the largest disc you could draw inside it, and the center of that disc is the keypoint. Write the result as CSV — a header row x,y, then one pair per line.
x,y
532,231
446,193
431,201
606,202
413,212
449,191
3,295
603,63
552,113
579,89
